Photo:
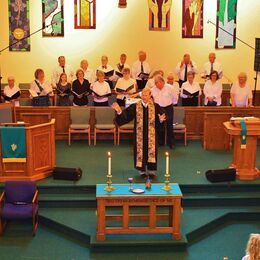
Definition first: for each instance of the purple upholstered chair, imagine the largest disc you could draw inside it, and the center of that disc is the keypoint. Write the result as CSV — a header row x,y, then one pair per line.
x,y
19,201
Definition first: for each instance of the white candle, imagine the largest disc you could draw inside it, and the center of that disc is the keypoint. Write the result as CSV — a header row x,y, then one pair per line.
x,y
109,163
167,162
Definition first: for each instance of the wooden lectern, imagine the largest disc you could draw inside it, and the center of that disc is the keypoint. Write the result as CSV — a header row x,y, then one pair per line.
x,y
244,158
40,155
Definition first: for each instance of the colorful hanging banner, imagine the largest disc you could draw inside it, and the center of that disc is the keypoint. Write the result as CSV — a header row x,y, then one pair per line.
x,y
192,19
19,25
85,14
159,15
226,24
52,18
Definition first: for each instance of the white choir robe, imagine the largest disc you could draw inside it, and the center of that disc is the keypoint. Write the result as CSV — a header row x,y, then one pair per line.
x,y
101,88
89,75
207,69
57,72
9,92
180,70
124,84
213,90
242,95
35,91
136,69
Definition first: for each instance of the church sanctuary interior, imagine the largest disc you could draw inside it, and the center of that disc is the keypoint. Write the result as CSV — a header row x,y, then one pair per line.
x,y
130,129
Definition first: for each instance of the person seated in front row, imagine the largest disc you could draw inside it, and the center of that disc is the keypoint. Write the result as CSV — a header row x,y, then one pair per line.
x,y
150,83
120,66
101,90
175,87
213,90
108,71
40,89
88,73
125,87
190,91
241,92
63,91
11,92
80,89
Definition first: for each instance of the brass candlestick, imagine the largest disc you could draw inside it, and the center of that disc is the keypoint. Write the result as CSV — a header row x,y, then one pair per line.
x,y
167,175
109,187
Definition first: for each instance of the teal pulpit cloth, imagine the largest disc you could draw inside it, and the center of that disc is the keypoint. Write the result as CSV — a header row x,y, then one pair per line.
x,y
243,134
13,142
123,190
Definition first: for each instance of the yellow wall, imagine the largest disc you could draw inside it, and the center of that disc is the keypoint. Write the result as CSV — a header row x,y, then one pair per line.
x,y
126,30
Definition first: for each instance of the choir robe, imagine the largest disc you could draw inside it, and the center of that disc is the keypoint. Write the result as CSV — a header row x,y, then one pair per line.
x,y
128,115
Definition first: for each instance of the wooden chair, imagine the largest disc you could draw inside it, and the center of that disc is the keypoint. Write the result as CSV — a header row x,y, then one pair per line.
x,y
178,122
125,129
79,122
104,122
19,201
6,113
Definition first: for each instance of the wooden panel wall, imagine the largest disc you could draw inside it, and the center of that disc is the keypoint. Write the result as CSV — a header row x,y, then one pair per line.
x,y
194,117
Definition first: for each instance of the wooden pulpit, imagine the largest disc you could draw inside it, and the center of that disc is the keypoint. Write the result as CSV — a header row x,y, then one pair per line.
x,y
40,155
244,156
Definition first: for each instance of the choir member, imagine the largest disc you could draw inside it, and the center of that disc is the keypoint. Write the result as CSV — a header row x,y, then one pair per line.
x,y
11,92
80,89
88,73
125,86
62,68
211,65
108,70
150,83
147,116
241,92
185,66
190,91
213,90
163,96
40,89
141,70
63,91
120,66
176,88
101,90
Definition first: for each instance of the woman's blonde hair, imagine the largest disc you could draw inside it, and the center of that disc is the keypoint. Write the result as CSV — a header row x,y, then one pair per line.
x,y
253,247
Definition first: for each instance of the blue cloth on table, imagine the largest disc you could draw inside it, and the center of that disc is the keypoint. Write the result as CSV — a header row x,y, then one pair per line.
x,y
123,190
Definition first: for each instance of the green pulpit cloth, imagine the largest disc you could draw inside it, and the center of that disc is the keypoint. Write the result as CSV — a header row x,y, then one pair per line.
x,y
13,140
243,134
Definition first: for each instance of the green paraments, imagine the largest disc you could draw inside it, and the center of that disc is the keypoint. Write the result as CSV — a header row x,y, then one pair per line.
x,y
50,6
57,27
231,10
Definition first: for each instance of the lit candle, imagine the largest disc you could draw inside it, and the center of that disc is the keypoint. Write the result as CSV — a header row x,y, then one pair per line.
x,y
167,163
109,163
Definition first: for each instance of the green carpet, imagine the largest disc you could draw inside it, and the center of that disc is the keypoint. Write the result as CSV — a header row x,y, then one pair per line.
x,y
187,165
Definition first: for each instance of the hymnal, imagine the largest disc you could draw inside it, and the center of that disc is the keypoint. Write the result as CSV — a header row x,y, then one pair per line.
x,y
14,96
143,76
191,95
96,94
119,90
